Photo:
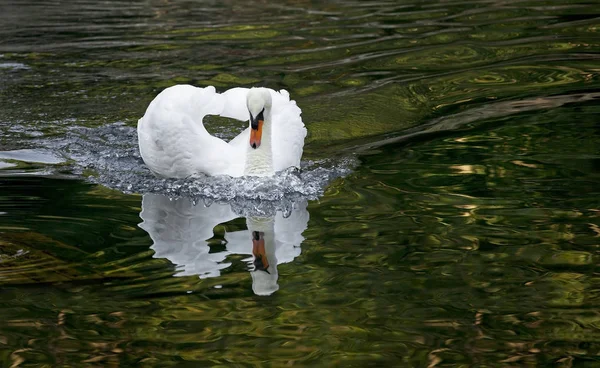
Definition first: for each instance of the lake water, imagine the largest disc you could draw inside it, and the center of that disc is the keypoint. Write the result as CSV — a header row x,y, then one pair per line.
x,y
447,213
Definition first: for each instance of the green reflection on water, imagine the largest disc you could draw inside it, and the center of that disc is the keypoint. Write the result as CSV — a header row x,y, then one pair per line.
x,y
471,240
477,246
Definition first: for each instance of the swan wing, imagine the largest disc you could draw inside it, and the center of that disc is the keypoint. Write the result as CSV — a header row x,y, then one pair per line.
x,y
235,107
234,104
172,138
288,131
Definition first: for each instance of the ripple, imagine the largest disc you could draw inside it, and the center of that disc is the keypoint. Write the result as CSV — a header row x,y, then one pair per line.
x,y
487,111
109,155
14,66
4,165
20,263
32,155
486,231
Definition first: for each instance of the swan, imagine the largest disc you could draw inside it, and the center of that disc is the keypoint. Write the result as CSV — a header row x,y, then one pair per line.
x,y
174,143
180,231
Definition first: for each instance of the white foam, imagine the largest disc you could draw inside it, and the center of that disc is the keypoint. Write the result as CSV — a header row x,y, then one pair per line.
x,y
109,156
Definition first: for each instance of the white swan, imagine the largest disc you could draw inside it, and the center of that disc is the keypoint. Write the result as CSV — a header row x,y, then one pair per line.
x,y
174,143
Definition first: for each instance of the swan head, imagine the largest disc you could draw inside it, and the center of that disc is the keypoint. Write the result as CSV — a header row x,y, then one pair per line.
x,y
258,102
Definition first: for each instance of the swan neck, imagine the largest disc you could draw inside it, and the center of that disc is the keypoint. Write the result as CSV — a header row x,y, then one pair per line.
x,y
259,161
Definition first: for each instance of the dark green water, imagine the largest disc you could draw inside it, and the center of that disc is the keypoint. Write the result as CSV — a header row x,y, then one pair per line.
x,y
467,234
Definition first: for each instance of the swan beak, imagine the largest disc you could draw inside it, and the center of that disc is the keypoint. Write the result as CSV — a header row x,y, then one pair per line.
x,y
258,250
255,133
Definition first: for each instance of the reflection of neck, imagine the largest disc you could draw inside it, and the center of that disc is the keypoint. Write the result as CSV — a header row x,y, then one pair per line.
x,y
265,225
259,161
265,283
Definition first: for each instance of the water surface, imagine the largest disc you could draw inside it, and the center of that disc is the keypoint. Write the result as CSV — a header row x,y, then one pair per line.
x,y
447,212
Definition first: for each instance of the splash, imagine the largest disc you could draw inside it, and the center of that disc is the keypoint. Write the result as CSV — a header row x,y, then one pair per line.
x,y
109,156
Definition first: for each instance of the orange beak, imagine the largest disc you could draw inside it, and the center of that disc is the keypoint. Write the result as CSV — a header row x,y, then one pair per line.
x,y
258,250
256,134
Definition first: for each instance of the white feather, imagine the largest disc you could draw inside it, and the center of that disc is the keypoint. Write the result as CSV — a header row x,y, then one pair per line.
x,y
174,143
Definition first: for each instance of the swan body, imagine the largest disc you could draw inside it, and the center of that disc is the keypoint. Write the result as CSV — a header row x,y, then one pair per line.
x,y
174,143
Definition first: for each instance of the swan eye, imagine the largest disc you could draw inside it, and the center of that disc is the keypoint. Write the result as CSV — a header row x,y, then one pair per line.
x,y
260,116
254,121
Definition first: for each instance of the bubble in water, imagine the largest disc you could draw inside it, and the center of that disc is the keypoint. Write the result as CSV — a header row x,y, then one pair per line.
x,y
109,156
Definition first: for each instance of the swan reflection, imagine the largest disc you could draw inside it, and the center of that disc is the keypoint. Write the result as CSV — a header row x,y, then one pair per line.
x,y
181,231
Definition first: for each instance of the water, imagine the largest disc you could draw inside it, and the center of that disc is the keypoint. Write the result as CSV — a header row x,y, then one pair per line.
x,y
447,212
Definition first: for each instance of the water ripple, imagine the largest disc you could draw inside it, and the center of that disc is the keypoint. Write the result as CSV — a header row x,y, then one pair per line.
x,y
467,236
